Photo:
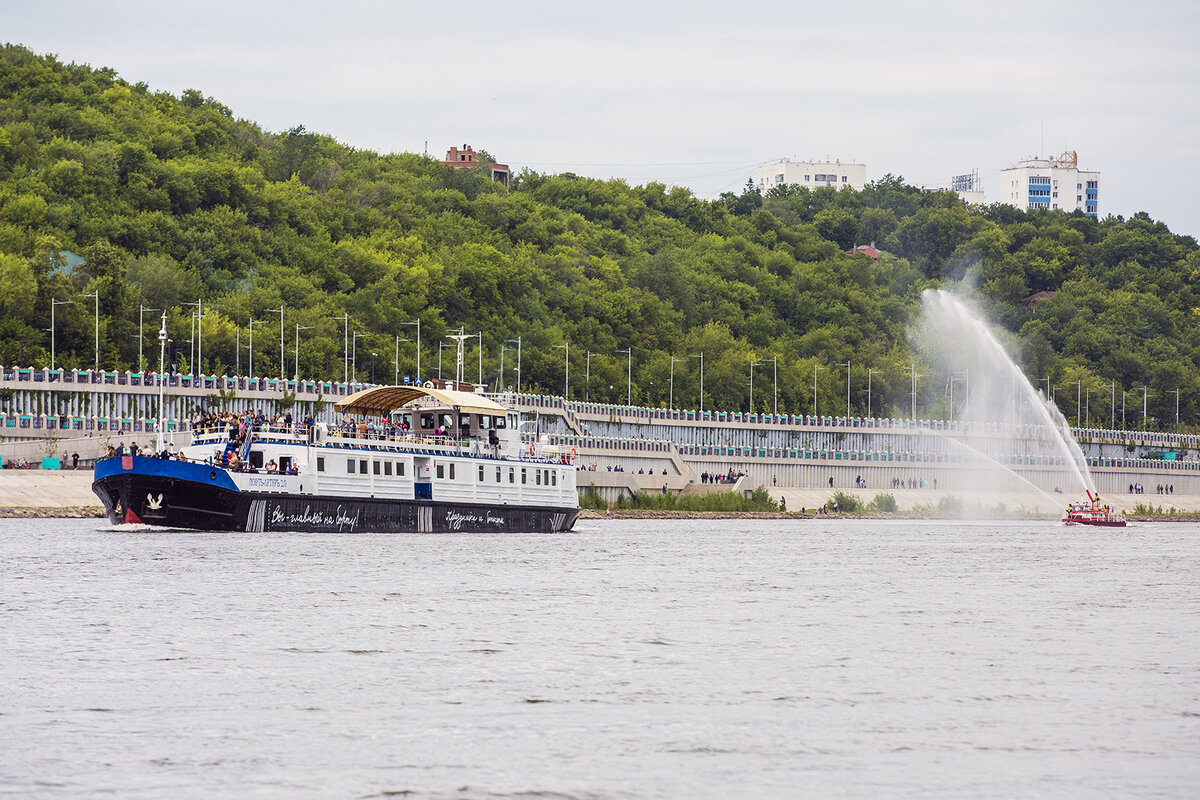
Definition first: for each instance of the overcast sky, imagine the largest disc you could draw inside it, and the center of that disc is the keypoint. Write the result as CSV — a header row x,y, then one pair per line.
x,y
696,94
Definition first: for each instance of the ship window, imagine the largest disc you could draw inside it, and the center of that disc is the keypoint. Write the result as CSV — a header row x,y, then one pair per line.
x,y
485,421
427,421
350,466
497,474
546,477
481,473
522,476
451,472
256,459
362,466
537,477
441,470
554,478
387,468
375,467
320,463
400,468
511,475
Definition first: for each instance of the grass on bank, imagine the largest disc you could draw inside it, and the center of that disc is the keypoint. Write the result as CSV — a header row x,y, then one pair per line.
x,y
759,500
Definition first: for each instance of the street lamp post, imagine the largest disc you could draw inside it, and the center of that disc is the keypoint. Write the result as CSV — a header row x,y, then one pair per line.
x,y
774,385
1078,404
847,366
753,364
299,328
53,304
566,348
1113,407
587,375
396,377
913,369
816,412
1177,410
250,368
671,400
700,356
96,295
628,376
354,355
518,341
870,372
162,353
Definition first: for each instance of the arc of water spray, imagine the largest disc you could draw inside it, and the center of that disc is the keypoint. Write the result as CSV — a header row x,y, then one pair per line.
x,y
955,332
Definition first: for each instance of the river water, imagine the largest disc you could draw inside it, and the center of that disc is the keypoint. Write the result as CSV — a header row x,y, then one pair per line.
x,y
629,659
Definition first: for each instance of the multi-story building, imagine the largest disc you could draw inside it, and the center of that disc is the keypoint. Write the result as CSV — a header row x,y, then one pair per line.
x,y
812,174
465,159
1051,183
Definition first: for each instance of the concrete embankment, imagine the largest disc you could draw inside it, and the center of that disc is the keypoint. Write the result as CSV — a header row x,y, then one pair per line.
x,y
67,493
48,493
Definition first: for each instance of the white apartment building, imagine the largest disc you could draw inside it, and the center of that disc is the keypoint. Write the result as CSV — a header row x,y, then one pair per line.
x,y
812,174
1052,183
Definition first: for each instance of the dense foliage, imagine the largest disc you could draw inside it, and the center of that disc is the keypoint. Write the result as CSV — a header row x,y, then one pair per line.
x,y
149,200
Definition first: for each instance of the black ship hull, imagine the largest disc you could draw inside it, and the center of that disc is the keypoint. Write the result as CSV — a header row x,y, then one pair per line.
x,y
182,495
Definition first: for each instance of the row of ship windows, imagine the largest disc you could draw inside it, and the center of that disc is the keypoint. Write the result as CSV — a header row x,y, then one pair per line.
x,y
547,477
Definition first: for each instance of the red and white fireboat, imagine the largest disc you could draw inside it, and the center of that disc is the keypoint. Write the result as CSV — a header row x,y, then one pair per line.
x,y
1092,513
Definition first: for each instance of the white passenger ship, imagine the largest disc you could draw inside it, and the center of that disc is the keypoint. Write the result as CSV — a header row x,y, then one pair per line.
x,y
442,459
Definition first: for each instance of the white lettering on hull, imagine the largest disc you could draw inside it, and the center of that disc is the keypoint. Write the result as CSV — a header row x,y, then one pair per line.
x,y
339,519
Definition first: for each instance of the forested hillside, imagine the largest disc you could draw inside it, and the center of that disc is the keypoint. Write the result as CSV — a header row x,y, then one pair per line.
x,y
152,200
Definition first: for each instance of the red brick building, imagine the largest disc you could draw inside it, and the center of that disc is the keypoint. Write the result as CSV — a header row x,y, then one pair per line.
x,y
465,159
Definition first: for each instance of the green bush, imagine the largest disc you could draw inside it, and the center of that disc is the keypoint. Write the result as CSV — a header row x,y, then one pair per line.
x,y
882,502
847,502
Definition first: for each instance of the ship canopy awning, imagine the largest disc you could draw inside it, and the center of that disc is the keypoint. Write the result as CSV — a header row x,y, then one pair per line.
x,y
382,400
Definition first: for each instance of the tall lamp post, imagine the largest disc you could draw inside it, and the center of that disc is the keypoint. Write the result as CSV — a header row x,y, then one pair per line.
x,y
162,353
847,366
774,384
753,364
671,401
396,379
587,376
913,369
299,328
816,412
250,368
54,304
566,348
1177,410
354,355
1112,425
518,343
628,376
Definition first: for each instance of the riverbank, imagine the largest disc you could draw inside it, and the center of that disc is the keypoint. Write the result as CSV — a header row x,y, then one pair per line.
x,y
67,493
